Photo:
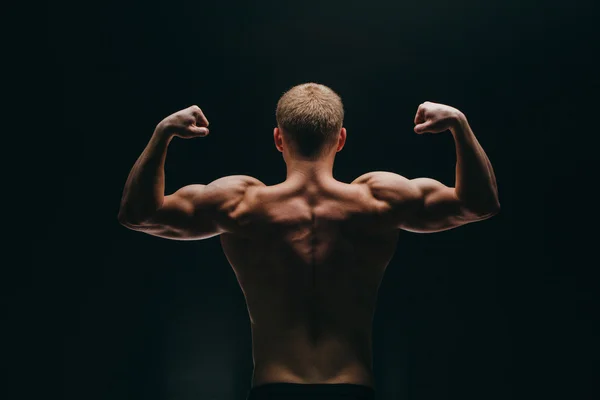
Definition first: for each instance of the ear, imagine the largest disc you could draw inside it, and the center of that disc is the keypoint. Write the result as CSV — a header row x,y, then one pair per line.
x,y
341,140
278,139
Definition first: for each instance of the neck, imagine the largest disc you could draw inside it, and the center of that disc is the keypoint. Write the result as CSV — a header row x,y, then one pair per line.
x,y
313,171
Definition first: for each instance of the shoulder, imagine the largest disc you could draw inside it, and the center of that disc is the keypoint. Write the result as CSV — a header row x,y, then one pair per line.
x,y
223,194
388,186
225,187
231,190
236,181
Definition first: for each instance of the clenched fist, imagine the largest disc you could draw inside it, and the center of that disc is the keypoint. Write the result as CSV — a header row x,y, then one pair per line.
x,y
436,118
187,123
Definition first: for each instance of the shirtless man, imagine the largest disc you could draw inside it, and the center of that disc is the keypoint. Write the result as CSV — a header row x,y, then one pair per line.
x,y
309,253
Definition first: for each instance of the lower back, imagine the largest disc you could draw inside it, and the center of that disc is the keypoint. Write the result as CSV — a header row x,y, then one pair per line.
x,y
295,358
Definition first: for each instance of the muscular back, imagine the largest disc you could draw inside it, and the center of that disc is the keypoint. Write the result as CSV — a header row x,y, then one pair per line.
x,y
309,256
310,262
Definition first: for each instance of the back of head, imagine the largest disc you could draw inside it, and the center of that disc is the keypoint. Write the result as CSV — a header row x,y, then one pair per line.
x,y
310,116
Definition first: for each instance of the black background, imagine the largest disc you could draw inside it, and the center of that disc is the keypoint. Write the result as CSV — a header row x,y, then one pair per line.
x,y
504,309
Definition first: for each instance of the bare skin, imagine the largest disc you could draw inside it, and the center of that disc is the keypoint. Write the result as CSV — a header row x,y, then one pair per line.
x,y
309,253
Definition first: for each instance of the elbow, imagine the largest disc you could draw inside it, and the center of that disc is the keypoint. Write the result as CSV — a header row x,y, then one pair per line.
x,y
134,217
127,220
123,219
489,211
487,206
495,210
482,211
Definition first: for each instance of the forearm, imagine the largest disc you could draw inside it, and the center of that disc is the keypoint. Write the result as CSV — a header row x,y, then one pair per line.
x,y
145,186
475,179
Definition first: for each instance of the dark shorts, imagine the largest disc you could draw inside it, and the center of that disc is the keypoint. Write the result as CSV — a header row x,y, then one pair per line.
x,y
302,391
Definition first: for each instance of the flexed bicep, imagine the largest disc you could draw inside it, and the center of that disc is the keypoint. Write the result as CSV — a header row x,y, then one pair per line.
x,y
187,214
420,205
198,212
436,209
183,215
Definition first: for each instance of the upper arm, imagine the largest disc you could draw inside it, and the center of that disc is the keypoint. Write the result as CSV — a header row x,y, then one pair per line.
x,y
199,211
419,205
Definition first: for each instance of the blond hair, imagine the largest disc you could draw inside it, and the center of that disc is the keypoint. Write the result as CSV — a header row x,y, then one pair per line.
x,y
310,115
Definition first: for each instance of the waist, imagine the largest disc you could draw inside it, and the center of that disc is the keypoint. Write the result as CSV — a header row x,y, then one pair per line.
x,y
296,356
355,373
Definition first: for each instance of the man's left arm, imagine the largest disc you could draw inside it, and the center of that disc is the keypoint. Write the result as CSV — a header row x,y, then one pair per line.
x,y
191,213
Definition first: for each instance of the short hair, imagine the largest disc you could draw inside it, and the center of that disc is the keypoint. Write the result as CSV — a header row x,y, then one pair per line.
x,y
310,115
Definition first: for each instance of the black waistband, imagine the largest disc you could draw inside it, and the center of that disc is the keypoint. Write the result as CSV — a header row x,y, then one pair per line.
x,y
311,389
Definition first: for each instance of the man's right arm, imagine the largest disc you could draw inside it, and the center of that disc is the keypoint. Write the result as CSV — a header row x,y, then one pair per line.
x,y
425,205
